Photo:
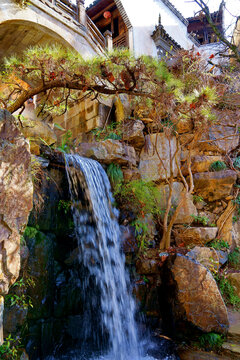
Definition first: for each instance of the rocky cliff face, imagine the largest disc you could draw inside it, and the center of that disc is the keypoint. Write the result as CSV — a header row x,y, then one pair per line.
x,y
16,195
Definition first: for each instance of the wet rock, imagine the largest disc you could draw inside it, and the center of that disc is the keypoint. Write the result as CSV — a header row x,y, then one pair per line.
x,y
197,299
234,279
195,235
108,151
187,210
14,318
147,266
205,256
150,166
16,194
129,241
133,133
214,185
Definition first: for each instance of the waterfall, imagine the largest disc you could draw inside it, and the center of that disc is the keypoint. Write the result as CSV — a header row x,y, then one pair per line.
x,y
98,235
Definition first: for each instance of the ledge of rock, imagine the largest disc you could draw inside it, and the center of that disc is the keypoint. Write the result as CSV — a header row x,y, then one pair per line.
x,y
108,151
195,235
234,279
150,166
196,299
214,185
201,163
16,195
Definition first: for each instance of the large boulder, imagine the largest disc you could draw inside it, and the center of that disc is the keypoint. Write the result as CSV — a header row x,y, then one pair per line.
x,y
214,185
192,294
188,208
108,151
16,194
155,157
195,235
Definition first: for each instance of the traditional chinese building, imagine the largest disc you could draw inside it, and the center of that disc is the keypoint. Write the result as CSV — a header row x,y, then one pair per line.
x,y
155,29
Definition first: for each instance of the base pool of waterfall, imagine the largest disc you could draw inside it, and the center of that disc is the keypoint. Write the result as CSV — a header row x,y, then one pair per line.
x,y
99,241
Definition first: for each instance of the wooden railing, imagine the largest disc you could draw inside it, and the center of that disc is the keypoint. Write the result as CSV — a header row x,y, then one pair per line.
x,y
120,41
95,34
72,11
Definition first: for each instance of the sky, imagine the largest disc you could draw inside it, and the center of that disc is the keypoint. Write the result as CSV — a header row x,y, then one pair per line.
x,y
188,7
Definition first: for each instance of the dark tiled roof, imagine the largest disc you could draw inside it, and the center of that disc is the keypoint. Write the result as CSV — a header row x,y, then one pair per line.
x,y
175,11
165,36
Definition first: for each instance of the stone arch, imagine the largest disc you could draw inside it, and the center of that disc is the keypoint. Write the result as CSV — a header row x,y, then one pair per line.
x,y
59,26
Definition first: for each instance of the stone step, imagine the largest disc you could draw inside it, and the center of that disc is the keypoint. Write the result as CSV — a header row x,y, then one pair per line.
x,y
232,349
234,327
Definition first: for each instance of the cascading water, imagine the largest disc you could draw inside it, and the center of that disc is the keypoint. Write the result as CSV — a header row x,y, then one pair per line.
x,y
98,235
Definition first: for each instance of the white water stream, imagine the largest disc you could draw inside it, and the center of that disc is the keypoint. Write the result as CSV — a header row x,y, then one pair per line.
x,y
98,235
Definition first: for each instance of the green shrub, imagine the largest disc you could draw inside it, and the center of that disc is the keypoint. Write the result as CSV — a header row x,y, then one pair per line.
x,y
10,349
197,198
30,232
211,341
115,174
112,131
218,166
66,142
228,292
234,259
218,244
65,206
204,220
140,197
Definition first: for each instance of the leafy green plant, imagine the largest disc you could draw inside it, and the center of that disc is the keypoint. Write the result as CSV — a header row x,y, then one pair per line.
x,y
141,232
211,341
30,232
197,198
112,131
139,196
10,349
17,294
115,174
234,258
64,205
204,220
218,244
228,292
217,166
66,142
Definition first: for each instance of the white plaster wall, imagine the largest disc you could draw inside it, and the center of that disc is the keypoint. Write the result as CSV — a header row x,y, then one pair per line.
x,y
144,15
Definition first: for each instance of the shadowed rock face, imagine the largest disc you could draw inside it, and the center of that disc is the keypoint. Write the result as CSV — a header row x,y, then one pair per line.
x,y
16,192
197,298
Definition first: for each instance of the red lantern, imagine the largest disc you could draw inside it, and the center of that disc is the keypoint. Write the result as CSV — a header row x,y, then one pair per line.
x,y
107,15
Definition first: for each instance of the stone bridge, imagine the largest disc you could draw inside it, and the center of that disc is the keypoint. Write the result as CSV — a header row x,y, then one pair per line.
x,y
45,21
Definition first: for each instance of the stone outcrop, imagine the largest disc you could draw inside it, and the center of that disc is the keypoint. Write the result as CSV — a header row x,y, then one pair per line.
x,y
187,210
195,235
214,185
197,298
108,151
36,130
155,157
16,193
133,133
